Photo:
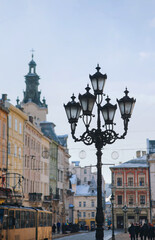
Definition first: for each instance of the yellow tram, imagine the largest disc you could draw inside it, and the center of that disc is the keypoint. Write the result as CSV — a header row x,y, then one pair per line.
x,y
25,223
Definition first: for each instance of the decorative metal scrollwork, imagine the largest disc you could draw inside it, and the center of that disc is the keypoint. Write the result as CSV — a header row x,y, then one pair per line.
x,y
87,138
109,136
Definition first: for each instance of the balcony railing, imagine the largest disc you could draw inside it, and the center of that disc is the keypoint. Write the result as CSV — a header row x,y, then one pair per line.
x,y
56,197
48,198
35,197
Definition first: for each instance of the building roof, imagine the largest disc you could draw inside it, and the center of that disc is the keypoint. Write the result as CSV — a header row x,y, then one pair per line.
x,y
134,163
48,129
63,139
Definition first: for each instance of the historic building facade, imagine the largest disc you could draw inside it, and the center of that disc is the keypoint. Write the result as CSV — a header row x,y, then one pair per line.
x,y
3,141
151,161
16,123
83,209
83,203
32,164
130,186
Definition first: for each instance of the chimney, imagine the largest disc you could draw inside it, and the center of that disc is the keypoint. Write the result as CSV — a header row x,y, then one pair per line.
x,y
4,97
143,153
31,119
138,154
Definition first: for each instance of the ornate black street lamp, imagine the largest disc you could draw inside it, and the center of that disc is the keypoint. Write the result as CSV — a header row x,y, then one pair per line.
x,y
125,209
99,136
137,210
112,213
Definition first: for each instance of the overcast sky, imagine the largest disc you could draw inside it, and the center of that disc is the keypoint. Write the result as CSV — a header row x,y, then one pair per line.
x,y
69,38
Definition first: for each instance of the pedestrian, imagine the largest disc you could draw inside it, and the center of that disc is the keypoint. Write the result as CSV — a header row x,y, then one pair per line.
x,y
63,228
137,230
145,230
58,227
53,228
131,231
150,231
141,232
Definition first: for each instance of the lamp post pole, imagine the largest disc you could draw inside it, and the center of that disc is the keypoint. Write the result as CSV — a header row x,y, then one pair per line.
x,y
125,209
112,208
100,137
137,211
78,216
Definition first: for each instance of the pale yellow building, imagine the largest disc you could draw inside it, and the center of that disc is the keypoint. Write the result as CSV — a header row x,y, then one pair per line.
x,y
16,122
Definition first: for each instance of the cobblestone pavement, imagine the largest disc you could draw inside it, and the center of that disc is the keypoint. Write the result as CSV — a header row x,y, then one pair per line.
x,y
91,236
122,236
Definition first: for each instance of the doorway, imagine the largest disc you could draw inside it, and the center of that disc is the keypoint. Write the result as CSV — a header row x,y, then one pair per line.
x,y
120,222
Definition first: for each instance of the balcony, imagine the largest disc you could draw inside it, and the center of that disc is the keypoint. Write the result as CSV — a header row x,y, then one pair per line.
x,y
35,197
5,193
56,197
48,199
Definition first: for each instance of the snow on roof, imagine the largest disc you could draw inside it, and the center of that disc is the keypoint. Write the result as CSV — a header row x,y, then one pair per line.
x,y
84,190
134,163
73,179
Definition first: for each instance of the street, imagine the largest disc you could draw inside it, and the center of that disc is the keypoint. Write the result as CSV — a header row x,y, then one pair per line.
x,y
87,236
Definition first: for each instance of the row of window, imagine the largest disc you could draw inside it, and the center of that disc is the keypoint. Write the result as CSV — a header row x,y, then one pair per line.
x,y
131,200
27,219
15,150
32,163
84,215
130,182
16,125
32,143
84,204
31,186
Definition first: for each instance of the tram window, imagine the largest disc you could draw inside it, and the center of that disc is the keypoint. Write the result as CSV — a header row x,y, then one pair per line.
x,y
11,219
41,219
17,219
32,219
5,219
1,215
45,222
48,219
22,219
27,219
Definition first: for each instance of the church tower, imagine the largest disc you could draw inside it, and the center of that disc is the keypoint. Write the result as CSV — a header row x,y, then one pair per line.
x,y
31,103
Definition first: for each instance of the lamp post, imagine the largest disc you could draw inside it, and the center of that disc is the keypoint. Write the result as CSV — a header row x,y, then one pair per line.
x,y
125,209
137,210
98,136
78,212
112,208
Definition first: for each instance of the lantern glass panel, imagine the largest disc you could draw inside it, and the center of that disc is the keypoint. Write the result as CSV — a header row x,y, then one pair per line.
x,y
121,106
78,112
101,82
133,104
105,114
84,104
94,83
128,106
91,104
68,112
111,114
74,111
